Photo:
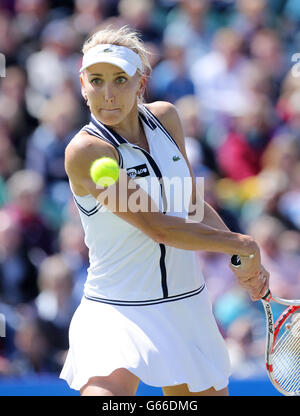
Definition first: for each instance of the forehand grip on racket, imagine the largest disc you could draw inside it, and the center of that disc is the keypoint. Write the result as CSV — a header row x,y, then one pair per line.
x,y
236,262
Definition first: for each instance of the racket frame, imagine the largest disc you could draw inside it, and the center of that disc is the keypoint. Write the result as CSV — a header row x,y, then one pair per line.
x,y
273,330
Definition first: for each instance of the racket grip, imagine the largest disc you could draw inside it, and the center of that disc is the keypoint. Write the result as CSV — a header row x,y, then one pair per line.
x,y
267,295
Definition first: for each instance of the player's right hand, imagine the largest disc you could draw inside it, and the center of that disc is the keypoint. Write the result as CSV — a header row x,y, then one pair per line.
x,y
256,285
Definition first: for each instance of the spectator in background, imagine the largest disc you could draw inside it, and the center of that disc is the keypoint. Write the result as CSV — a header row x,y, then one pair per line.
x,y
251,16
218,278
138,14
28,23
87,15
170,79
279,179
281,156
75,254
284,267
266,49
291,14
8,38
55,304
289,202
217,77
290,243
199,152
25,190
57,64
18,275
291,111
45,151
9,161
289,87
246,347
256,82
13,108
191,24
239,156
212,196
33,353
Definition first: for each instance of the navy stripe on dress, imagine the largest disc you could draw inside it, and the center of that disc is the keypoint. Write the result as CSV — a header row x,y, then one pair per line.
x,y
108,132
147,302
90,212
159,124
94,132
162,265
146,120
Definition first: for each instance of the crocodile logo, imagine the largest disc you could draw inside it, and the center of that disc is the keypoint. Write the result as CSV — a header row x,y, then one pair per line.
x,y
176,158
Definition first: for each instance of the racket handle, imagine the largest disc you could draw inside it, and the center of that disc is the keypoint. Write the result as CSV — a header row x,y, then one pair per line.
x,y
267,296
236,260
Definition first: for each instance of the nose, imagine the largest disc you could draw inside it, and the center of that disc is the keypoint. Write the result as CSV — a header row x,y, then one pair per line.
x,y
108,94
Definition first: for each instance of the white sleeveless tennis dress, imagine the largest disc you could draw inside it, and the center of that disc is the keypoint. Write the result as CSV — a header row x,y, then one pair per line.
x,y
145,306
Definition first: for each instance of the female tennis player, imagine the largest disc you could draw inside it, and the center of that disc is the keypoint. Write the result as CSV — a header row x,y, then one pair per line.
x,y
145,312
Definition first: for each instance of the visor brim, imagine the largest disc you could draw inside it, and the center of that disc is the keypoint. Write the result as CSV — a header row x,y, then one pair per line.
x,y
121,63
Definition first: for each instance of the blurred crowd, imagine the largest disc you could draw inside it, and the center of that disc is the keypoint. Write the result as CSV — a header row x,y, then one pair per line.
x,y
230,67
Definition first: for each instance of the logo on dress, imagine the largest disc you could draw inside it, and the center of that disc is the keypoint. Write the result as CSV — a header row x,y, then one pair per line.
x,y
139,171
175,158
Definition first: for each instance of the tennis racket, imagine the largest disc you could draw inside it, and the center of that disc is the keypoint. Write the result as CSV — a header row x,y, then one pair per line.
x,y
282,351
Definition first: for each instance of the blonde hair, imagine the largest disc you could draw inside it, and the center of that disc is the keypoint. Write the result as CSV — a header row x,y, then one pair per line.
x,y
123,36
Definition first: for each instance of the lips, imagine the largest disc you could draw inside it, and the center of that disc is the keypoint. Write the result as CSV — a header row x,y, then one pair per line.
x,y
110,109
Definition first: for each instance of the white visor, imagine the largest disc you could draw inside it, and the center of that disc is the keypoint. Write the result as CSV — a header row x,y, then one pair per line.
x,y
120,56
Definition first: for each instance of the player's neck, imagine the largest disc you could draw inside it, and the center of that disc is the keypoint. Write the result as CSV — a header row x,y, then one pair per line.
x,y
130,128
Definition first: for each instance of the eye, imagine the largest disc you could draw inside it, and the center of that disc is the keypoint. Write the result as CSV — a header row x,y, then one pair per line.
x,y
121,80
96,81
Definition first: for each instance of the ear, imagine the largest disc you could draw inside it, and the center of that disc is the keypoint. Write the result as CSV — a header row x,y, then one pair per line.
x,y
142,85
83,92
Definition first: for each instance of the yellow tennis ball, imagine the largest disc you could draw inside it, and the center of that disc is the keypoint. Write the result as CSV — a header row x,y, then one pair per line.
x,y
104,171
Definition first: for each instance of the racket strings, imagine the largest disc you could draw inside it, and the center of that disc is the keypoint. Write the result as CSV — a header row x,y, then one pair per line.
x,y
286,356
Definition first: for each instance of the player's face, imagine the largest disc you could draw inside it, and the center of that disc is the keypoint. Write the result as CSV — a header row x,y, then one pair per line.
x,y
111,92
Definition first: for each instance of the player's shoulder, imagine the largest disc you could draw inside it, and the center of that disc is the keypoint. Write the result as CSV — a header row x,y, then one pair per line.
x,y
165,112
85,143
168,115
84,148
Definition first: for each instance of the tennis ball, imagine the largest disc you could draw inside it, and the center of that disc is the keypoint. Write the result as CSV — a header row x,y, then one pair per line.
x,y
104,171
